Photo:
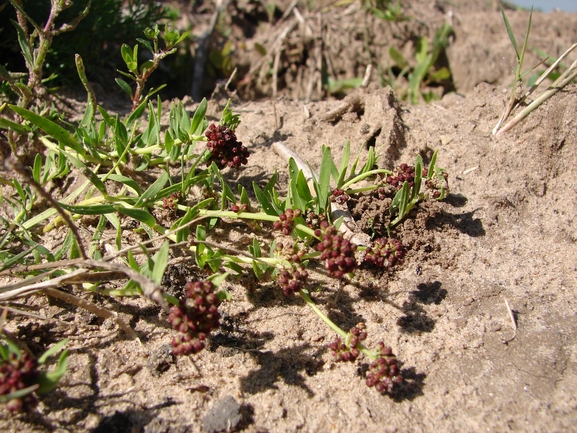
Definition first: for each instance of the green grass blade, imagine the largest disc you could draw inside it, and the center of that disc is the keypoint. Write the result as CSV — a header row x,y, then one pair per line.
x,y
344,164
510,32
526,40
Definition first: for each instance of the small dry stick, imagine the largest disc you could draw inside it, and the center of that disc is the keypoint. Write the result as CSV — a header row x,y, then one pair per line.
x,y
13,164
513,321
93,308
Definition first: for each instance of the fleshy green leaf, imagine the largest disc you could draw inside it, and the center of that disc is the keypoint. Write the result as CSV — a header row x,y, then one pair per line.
x,y
125,86
150,194
139,215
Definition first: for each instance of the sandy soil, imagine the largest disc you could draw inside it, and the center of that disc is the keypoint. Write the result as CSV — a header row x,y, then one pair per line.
x,y
505,237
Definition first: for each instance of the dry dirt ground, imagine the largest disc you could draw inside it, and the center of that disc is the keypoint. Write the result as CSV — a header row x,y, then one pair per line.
x,y
503,243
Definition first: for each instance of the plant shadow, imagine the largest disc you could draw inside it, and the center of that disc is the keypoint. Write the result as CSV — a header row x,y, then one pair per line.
x,y
416,318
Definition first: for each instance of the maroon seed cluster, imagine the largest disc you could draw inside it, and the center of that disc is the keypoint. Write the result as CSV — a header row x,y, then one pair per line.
x,y
385,253
286,221
171,201
403,173
18,373
435,185
349,352
384,372
226,150
339,196
194,320
291,280
314,220
239,207
337,252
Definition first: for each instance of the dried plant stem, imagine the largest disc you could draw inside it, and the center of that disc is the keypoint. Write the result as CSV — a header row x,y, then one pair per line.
x,y
13,164
149,288
537,102
513,321
93,308
569,75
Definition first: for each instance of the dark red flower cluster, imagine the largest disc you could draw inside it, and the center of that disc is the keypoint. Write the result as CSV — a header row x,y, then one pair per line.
x,y
292,279
338,252
384,372
194,320
348,351
385,253
286,221
314,220
226,150
16,373
436,185
171,201
239,207
339,196
403,173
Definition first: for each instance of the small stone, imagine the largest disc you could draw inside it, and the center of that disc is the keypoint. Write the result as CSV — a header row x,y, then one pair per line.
x,y
160,360
224,416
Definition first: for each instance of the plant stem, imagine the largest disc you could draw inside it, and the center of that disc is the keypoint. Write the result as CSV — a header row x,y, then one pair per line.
x,y
305,295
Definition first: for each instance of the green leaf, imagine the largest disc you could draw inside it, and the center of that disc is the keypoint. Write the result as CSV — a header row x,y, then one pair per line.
x,y
51,128
260,49
52,351
182,234
145,66
8,124
200,232
139,215
136,114
24,45
18,394
37,168
150,194
10,347
49,380
88,173
510,32
398,58
160,262
418,177
125,86
326,169
126,53
146,44
264,200
196,126
344,164
526,41
442,74
294,198
130,183
97,209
